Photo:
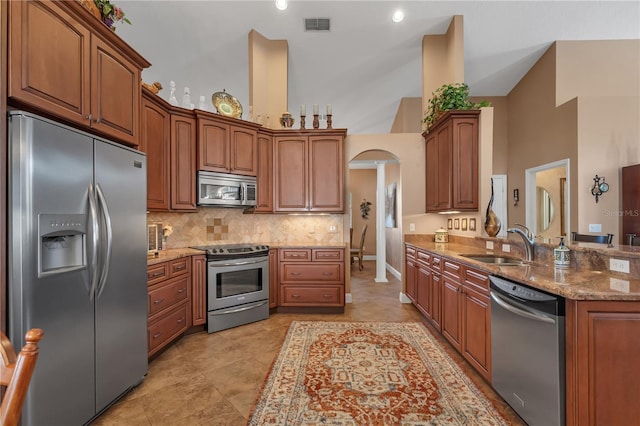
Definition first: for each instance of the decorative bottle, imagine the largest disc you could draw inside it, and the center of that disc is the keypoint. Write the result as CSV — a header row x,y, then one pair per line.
x,y
561,255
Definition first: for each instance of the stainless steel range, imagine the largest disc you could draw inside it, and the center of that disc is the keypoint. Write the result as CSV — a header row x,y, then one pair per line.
x,y
237,284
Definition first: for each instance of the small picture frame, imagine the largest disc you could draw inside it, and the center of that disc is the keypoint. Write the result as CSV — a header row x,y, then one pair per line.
x,y
449,223
456,223
464,224
472,224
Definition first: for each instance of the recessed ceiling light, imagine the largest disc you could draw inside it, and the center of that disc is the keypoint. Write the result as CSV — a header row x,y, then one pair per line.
x,y
398,16
281,4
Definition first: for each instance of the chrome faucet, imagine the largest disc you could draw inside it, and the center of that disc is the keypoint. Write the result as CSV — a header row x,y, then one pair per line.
x,y
528,238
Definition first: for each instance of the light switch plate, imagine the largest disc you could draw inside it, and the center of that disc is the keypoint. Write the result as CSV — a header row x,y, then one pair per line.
x,y
412,227
595,227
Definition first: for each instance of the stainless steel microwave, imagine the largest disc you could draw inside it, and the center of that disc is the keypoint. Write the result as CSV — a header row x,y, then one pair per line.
x,y
226,190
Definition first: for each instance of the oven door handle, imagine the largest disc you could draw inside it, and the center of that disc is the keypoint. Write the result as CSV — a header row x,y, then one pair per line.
x,y
244,308
235,263
517,311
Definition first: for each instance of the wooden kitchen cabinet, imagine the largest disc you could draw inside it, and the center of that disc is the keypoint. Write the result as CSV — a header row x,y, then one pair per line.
x,y
169,312
455,299
602,346
66,63
410,273
155,142
183,161
226,145
451,160
198,289
264,178
311,278
309,171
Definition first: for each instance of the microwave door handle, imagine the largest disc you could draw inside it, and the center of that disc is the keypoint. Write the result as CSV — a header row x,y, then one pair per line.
x,y
243,192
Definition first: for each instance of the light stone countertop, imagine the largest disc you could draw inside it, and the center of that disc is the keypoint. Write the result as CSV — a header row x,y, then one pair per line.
x,y
571,282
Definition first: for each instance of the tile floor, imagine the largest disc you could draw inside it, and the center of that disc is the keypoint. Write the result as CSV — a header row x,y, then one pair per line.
x,y
214,379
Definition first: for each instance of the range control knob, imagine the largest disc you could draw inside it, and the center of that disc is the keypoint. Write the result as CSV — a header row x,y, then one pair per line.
x,y
214,251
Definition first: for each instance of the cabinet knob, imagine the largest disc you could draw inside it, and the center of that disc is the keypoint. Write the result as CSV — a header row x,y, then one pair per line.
x,y
155,336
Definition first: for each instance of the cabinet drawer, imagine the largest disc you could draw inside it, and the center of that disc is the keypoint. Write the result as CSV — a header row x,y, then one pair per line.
x,y
423,257
311,273
164,296
328,255
179,266
295,254
331,295
477,279
410,252
157,273
452,269
436,263
165,329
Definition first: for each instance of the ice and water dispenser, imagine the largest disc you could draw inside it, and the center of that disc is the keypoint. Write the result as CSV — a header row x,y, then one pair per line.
x,y
61,243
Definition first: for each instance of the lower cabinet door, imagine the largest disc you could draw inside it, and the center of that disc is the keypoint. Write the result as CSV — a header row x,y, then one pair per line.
x,y
451,329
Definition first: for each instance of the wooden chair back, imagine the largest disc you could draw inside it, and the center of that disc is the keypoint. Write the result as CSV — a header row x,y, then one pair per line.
x,y
15,374
603,239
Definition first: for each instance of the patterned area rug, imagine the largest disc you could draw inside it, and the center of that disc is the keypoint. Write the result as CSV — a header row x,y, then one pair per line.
x,y
368,373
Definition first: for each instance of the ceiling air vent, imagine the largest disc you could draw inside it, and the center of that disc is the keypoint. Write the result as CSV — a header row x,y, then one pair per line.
x,y
317,24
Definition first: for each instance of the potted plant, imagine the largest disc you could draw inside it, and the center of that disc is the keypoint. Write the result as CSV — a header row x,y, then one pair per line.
x,y
454,96
110,13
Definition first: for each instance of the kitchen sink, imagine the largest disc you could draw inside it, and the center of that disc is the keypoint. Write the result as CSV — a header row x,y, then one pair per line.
x,y
496,260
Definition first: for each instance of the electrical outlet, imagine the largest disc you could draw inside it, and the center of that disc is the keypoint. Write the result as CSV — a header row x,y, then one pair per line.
x,y
506,248
412,227
595,227
619,265
333,229
489,245
619,285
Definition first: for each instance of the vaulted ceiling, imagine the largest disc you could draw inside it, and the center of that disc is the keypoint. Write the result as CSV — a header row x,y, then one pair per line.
x,y
366,63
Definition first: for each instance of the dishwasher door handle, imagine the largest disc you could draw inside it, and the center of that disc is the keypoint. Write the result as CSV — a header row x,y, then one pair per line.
x,y
517,311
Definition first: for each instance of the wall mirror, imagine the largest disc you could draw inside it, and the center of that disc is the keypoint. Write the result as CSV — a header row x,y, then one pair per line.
x,y
547,195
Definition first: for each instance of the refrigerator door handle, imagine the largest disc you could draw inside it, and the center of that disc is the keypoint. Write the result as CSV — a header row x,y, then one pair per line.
x,y
106,259
95,237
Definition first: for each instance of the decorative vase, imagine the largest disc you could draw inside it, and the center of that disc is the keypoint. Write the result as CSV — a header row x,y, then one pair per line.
x,y
491,222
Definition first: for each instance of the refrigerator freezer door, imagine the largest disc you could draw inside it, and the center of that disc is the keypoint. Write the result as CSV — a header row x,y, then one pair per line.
x,y
121,301
51,169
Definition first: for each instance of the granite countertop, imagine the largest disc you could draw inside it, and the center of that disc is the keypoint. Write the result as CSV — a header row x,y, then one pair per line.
x,y
571,283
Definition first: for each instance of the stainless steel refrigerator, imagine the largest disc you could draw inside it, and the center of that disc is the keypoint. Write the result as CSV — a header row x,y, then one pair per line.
x,y
77,267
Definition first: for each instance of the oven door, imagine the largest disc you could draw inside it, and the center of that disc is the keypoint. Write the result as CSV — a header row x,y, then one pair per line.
x,y
237,282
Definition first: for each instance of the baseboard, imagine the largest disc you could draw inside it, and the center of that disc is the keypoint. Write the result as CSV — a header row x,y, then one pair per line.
x,y
394,272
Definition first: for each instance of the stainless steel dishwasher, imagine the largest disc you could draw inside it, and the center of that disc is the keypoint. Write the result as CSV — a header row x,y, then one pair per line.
x,y
527,351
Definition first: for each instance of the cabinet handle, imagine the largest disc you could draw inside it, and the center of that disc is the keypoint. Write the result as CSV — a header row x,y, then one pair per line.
x,y
89,117
295,296
158,301
157,274
327,273
179,267
295,273
181,320
98,120
181,290
327,296
294,255
155,336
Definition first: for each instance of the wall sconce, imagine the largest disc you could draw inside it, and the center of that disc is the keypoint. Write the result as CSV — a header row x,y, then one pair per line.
x,y
516,196
599,187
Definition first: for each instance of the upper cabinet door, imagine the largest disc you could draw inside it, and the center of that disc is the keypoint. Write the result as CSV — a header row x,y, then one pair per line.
x,y
213,146
244,154
291,188
49,54
326,174
154,141
264,176
115,93
183,162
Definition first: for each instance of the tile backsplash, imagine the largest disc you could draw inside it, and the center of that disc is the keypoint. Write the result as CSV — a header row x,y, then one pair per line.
x,y
217,225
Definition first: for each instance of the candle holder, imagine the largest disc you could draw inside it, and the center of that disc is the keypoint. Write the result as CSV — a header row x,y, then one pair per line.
x,y
329,121
302,117
316,122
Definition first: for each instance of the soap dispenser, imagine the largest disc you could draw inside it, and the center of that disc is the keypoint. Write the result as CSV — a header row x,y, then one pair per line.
x,y
561,254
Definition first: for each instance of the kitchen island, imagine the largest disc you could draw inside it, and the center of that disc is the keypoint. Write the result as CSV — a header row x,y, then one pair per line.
x,y
602,324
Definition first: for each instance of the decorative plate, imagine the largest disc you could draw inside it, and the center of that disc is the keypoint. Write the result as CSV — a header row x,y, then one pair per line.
x,y
226,104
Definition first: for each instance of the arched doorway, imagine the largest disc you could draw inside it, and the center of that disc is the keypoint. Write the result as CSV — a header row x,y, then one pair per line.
x,y
374,181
